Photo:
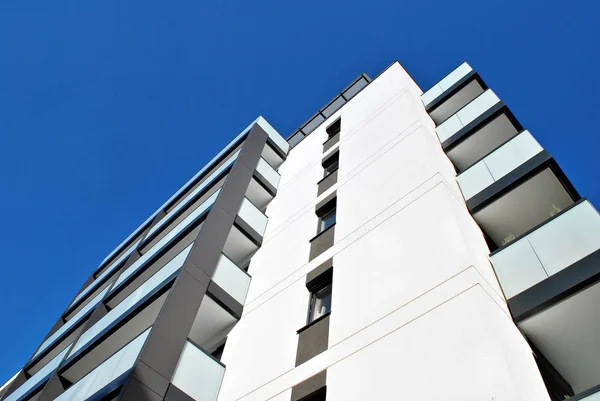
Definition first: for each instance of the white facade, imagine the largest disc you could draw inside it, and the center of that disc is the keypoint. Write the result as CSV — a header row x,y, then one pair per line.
x,y
398,245
417,311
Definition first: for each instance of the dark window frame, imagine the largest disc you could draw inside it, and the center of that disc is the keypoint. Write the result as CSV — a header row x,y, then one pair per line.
x,y
316,294
334,128
327,219
317,395
331,164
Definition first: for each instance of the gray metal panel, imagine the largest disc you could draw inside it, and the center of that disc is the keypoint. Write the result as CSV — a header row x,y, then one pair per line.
x,y
327,182
52,389
151,378
172,327
333,106
313,124
176,394
321,243
16,383
313,340
309,386
330,142
355,88
135,390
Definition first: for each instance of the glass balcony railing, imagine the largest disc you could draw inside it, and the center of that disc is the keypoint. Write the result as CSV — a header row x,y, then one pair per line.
x,y
274,136
205,184
277,139
552,247
268,173
94,284
145,291
71,323
467,114
498,164
232,279
446,83
34,381
253,217
112,370
592,394
185,223
198,374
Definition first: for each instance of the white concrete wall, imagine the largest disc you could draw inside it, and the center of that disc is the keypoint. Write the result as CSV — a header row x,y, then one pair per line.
x,y
417,312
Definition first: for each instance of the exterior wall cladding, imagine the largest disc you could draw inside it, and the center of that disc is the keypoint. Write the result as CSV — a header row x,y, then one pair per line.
x,y
399,245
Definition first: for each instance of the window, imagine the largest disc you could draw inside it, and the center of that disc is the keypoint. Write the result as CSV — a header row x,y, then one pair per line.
x,y
331,164
318,395
320,303
334,128
327,219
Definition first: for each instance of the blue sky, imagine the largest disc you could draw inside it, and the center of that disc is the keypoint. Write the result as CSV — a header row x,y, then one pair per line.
x,y
107,107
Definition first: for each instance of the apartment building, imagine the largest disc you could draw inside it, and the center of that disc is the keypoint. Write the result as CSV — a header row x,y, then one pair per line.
x,y
398,245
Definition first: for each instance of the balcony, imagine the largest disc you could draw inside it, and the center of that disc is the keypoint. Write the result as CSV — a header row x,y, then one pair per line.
x,y
551,278
108,376
35,381
465,119
276,149
513,202
552,247
216,177
198,374
452,93
232,279
125,321
442,88
170,238
263,185
246,234
498,164
65,332
102,278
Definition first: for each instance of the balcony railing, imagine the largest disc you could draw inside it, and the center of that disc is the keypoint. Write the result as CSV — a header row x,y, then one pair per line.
x,y
268,173
498,164
552,247
186,201
232,279
198,374
111,371
592,394
467,115
71,323
94,284
185,223
450,80
34,381
253,217
125,307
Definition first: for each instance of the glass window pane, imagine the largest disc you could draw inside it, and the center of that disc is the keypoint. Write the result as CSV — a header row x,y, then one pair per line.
x,y
327,220
321,303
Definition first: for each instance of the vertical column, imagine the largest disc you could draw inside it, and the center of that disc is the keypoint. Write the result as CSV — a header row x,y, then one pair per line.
x,y
158,359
